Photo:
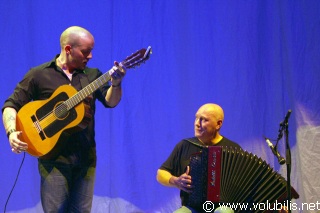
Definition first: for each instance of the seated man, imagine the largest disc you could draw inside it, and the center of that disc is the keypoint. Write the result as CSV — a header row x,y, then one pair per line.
x,y
175,170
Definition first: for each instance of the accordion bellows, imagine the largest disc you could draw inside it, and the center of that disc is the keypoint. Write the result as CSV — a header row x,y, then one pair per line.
x,y
230,175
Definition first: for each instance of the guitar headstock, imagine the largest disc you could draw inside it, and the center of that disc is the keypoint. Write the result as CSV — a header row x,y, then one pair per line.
x,y
137,58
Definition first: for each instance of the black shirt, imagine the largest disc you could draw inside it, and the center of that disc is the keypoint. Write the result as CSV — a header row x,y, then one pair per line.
x,y
179,158
39,83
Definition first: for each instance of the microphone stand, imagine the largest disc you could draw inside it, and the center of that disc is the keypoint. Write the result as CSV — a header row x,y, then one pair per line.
x,y
284,128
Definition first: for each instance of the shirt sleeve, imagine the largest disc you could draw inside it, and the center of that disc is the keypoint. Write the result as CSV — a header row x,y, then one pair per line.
x,y
170,164
22,94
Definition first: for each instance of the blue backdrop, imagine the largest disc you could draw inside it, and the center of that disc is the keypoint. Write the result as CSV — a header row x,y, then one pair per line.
x,y
257,59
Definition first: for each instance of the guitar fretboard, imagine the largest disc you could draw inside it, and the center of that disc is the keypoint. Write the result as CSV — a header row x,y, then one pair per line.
x,y
89,89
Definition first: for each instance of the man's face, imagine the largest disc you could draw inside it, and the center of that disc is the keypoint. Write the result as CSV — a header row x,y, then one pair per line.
x,y
80,54
206,125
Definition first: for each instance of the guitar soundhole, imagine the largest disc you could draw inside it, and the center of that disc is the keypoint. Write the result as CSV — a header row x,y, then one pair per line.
x,y
61,111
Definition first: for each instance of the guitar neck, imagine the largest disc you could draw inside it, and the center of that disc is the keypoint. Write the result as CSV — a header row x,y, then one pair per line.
x,y
89,89
130,62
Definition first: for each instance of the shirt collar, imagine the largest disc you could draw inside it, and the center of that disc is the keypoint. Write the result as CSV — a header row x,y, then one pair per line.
x,y
53,63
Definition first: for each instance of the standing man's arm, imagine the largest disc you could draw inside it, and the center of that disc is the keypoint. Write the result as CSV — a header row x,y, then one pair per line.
x,y
9,121
114,93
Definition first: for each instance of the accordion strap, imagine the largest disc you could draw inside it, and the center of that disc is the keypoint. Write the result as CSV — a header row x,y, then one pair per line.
x,y
195,141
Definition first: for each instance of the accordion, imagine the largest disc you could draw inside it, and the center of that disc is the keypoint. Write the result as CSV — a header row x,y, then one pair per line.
x,y
230,175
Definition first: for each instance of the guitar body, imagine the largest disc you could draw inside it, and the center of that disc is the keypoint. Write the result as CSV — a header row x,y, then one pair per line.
x,y
42,122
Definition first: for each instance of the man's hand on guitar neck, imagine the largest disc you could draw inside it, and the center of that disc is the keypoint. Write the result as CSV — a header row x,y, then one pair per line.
x,y
114,93
118,74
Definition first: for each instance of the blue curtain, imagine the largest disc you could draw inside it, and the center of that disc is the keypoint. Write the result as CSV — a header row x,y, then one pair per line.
x,y
257,59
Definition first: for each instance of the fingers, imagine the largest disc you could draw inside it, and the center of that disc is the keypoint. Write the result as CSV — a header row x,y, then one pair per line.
x,y
17,146
188,170
16,151
116,63
184,182
121,70
117,74
185,187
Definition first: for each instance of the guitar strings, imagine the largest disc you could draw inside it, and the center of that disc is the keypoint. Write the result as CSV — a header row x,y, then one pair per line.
x,y
65,106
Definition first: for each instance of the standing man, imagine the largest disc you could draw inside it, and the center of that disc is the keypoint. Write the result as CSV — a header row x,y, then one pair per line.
x,y
174,171
68,170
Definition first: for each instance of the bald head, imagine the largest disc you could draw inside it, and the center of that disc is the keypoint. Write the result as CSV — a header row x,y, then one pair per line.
x,y
214,110
73,35
76,44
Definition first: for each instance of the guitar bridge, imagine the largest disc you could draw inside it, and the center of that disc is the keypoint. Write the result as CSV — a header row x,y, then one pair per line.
x,y
37,126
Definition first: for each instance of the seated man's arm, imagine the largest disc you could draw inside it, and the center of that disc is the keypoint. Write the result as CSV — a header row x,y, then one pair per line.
x,y
167,179
164,177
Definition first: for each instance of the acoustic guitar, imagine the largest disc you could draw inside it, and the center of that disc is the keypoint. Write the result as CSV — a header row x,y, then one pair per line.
x,y
42,122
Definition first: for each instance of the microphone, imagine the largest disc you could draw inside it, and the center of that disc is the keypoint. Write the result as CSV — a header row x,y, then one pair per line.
x,y
281,160
285,121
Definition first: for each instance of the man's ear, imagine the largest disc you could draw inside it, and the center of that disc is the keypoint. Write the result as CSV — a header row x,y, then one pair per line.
x,y
67,48
219,124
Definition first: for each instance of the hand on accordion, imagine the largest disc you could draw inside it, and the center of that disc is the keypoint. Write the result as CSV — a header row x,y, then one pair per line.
x,y
183,182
